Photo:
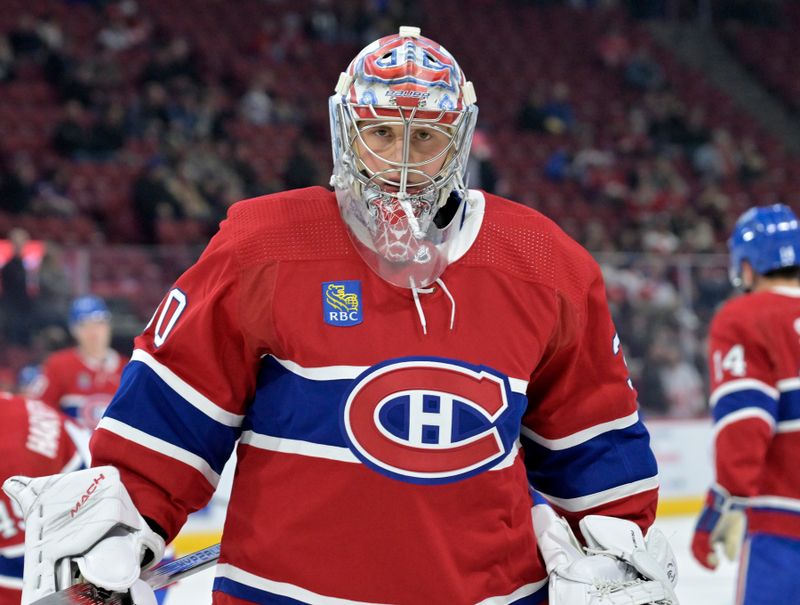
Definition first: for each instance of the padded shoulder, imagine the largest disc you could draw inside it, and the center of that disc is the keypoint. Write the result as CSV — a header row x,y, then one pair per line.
x,y
301,224
522,242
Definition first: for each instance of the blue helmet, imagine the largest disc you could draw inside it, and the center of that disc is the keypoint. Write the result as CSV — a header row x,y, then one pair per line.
x,y
768,237
88,308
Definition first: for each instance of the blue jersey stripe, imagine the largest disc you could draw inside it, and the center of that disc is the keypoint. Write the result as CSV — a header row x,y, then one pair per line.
x,y
789,406
604,462
147,403
292,407
248,593
747,398
11,567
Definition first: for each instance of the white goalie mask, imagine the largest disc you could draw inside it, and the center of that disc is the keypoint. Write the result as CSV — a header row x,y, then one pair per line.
x,y
402,120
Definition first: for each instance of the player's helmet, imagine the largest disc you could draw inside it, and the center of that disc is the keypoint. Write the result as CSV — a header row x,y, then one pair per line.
x,y
768,237
88,308
407,81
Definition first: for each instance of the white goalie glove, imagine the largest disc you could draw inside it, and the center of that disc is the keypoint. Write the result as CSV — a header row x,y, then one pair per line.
x,y
618,566
83,525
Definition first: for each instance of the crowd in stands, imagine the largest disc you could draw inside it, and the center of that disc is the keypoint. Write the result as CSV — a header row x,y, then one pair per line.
x,y
141,121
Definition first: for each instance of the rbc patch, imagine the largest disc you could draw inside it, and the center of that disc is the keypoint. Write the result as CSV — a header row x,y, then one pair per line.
x,y
341,303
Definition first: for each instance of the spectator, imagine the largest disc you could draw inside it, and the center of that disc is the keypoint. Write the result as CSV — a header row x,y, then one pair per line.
x,y
50,33
301,169
71,135
558,113
7,69
24,39
531,114
108,132
55,290
18,186
613,48
17,302
643,72
480,167
717,159
256,105
152,200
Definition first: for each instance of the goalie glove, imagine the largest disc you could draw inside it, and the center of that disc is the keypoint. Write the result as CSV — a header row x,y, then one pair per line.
x,y
722,522
617,567
82,524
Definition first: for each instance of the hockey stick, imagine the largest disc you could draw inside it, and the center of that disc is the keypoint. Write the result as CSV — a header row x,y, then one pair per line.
x,y
157,577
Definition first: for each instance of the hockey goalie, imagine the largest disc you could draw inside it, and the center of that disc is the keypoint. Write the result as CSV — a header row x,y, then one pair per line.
x,y
396,361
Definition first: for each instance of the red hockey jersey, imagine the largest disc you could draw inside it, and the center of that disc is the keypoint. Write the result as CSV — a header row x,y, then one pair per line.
x,y
754,353
385,448
80,388
35,442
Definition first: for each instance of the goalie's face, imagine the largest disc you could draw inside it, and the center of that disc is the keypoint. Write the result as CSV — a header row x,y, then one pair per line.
x,y
399,157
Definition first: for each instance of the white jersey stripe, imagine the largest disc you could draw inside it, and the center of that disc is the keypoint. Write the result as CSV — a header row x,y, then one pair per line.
x,y
11,582
522,591
12,552
323,373
159,445
745,384
74,463
580,503
788,384
188,392
284,589
780,502
581,436
744,414
331,452
297,446
788,426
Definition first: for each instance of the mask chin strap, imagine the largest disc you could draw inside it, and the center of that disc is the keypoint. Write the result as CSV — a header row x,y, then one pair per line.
x,y
420,313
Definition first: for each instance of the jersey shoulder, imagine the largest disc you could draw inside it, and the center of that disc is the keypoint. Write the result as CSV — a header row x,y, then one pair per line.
x,y
752,309
300,224
63,358
520,240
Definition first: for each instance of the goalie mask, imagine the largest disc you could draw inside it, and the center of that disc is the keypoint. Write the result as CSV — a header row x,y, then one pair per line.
x,y
402,120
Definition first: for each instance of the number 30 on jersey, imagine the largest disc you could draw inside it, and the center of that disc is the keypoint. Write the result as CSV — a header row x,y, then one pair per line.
x,y
171,309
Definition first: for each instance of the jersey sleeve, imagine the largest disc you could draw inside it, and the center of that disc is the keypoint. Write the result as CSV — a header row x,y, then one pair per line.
x,y
744,402
177,414
586,449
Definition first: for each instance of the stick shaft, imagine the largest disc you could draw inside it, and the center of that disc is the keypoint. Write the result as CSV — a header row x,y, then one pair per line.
x,y
158,577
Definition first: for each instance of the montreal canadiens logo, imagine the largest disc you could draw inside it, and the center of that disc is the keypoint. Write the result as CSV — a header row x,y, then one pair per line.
x,y
427,420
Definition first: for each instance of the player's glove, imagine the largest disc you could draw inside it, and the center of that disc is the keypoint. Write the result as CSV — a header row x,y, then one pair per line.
x,y
618,566
83,525
722,521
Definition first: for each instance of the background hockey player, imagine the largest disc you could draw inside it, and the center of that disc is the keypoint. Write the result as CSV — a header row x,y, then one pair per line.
x,y
754,356
81,380
398,359
37,440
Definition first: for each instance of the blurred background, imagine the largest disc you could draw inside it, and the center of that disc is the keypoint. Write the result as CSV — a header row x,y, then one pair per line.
x,y
643,127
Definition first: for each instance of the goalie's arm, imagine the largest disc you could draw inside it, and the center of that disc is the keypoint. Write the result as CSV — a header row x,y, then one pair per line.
x,y
585,447
175,419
